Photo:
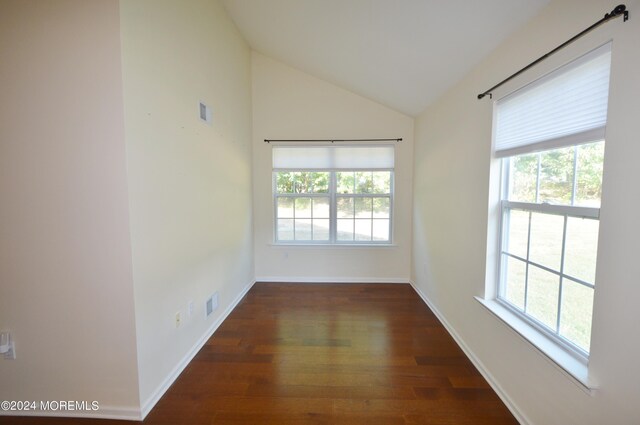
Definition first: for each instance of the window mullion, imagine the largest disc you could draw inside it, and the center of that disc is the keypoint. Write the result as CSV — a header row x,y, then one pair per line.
x,y
526,272
333,209
371,216
564,243
294,214
311,201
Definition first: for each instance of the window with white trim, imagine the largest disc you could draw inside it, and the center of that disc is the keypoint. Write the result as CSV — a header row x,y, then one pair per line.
x,y
333,194
550,136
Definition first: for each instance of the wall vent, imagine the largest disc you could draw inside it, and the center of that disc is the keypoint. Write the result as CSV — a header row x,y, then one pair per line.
x,y
205,112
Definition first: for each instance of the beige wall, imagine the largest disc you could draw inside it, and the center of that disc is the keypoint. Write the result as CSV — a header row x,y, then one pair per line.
x,y
66,287
452,163
289,104
189,183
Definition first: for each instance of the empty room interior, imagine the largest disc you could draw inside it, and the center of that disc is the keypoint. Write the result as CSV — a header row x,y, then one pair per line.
x,y
319,212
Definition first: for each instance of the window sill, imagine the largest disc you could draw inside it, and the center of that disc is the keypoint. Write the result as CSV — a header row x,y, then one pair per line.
x,y
567,363
328,245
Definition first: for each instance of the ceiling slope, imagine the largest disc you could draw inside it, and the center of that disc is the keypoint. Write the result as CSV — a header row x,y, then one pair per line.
x,y
400,53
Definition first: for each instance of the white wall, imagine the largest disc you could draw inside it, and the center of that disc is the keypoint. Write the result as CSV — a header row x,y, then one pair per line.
x,y
452,186
66,287
189,183
289,104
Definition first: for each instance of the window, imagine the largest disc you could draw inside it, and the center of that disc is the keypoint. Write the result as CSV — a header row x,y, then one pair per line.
x,y
550,136
333,195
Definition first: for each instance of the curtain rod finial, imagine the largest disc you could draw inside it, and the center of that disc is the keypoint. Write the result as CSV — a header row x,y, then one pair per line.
x,y
620,9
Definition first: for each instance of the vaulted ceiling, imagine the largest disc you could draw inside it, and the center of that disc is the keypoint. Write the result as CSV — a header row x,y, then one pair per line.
x,y
400,53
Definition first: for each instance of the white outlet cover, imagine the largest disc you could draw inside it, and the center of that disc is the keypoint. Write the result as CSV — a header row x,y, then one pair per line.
x,y
211,304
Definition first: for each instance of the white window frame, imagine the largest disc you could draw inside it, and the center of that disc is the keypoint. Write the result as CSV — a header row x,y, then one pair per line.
x,y
570,361
333,216
565,211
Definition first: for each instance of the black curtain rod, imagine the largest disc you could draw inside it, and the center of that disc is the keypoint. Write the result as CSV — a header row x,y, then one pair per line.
x,y
333,140
620,10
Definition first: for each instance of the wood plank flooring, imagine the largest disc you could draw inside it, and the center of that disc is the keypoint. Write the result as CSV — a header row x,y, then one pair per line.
x,y
326,354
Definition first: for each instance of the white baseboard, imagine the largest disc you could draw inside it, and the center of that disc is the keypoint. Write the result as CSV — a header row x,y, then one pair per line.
x,y
105,412
164,386
306,279
522,419
135,413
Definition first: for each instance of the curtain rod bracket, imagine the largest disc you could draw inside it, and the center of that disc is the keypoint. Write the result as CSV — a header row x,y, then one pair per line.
x,y
620,10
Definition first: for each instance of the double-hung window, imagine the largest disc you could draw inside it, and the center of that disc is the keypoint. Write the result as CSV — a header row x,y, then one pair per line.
x,y
550,136
333,194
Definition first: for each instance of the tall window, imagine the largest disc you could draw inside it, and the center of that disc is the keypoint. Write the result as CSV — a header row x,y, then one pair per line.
x,y
333,194
550,135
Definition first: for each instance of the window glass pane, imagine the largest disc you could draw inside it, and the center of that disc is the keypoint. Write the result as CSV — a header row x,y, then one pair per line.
x,y
345,182
303,229
285,207
320,207
285,229
345,207
345,229
284,182
581,248
300,183
523,178
364,182
363,207
320,182
381,207
517,226
542,296
381,229
515,275
363,230
556,176
310,182
321,230
546,240
589,174
382,182
575,316
303,208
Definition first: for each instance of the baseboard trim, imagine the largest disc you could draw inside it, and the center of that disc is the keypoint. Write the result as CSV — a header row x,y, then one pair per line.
x,y
522,419
106,412
170,379
305,279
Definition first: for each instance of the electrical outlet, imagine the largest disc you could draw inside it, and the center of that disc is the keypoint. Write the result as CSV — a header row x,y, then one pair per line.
x,y
190,308
178,319
211,304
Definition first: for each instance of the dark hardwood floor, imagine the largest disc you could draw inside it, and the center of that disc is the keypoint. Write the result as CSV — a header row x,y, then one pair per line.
x,y
326,354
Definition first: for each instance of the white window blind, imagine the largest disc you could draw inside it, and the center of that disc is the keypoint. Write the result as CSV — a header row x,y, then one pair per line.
x,y
565,107
333,157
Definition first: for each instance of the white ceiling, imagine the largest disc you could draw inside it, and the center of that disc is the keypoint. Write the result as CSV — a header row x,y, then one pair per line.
x,y
401,53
